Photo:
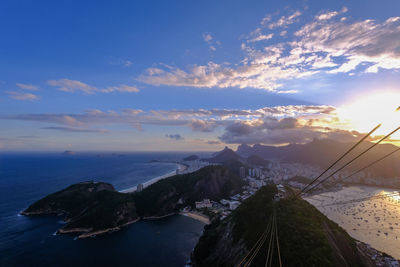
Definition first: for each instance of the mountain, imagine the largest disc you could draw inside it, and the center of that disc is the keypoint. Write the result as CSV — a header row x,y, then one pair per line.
x,y
226,154
244,150
92,208
325,151
191,158
306,236
257,160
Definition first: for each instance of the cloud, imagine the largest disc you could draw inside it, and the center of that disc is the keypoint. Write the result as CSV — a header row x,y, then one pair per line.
x,y
261,38
209,39
213,142
202,120
327,44
355,43
329,15
236,123
74,130
285,20
29,87
176,137
22,96
269,125
71,86
281,131
121,62
202,125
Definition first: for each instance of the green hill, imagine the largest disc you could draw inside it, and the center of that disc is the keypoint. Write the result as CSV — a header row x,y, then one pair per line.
x,y
94,207
307,237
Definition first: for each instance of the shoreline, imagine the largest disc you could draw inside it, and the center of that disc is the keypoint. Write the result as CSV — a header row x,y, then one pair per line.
x,y
196,216
86,233
132,189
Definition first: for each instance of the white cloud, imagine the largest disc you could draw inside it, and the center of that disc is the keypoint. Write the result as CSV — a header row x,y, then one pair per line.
x,y
261,38
360,42
328,15
22,96
207,37
71,86
285,20
326,44
28,87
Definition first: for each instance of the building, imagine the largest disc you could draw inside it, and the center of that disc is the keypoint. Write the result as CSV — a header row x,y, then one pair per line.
x,y
233,205
139,187
206,203
242,172
224,202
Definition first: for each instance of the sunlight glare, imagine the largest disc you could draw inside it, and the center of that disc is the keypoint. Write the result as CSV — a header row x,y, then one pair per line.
x,y
364,113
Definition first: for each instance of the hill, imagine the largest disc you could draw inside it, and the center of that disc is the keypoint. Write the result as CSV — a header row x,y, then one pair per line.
x,y
191,158
226,154
92,208
324,152
257,160
306,237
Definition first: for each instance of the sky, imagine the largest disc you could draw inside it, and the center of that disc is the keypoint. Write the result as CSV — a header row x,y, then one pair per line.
x,y
195,75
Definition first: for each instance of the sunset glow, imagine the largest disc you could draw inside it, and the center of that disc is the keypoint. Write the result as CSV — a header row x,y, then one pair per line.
x,y
364,112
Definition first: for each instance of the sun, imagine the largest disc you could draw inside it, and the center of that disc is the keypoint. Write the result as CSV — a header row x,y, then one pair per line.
x,y
363,113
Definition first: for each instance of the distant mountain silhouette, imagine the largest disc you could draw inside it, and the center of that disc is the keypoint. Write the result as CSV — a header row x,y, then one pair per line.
x,y
257,160
326,151
224,155
192,157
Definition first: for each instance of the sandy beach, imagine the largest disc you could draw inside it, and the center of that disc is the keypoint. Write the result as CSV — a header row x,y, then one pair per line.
x,y
196,216
181,168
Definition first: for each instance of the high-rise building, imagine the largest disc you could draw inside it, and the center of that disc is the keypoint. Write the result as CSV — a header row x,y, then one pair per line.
x,y
242,172
139,187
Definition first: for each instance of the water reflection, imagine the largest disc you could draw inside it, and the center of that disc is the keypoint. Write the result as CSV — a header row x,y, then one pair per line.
x,y
368,214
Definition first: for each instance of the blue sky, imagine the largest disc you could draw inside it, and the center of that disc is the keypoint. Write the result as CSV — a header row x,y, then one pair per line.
x,y
130,75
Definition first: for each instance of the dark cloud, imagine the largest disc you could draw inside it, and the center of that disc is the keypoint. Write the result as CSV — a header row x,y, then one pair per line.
x,y
176,137
283,131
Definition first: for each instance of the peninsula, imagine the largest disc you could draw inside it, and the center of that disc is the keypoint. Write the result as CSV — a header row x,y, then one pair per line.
x,y
93,208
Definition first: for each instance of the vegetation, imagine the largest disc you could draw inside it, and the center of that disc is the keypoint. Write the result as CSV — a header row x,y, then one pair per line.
x,y
92,206
169,195
307,237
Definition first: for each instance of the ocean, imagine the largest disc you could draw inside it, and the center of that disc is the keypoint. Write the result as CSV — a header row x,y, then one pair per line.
x,y
30,241
374,221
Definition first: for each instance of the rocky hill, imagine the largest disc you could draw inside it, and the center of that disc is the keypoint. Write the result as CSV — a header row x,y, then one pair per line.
x,y
306,237
92,208
226,154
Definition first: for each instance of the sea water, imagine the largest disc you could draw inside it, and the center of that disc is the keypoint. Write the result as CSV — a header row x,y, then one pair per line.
x,y
375,220
31,241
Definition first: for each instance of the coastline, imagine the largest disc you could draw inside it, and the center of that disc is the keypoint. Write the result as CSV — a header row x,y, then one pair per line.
x,y
132,189
86,233
196,216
